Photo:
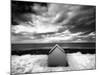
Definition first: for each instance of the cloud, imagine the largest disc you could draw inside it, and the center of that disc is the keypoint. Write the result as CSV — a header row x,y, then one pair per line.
x,y
38,27
67,37
60,23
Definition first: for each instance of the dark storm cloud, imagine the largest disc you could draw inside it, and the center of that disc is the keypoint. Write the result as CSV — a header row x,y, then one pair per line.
x,y
84,21
21,11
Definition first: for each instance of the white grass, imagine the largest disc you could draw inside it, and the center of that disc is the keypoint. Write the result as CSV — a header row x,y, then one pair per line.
x,y
38,63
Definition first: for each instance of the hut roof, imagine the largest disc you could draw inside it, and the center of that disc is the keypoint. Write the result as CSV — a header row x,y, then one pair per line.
x,y
56,46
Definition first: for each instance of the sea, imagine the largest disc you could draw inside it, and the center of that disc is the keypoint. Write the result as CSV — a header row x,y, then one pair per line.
x,y
44,48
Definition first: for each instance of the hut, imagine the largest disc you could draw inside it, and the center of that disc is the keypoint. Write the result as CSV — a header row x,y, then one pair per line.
x,y
57,57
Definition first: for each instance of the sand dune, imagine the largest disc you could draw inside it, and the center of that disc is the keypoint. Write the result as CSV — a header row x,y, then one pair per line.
x,y
38,63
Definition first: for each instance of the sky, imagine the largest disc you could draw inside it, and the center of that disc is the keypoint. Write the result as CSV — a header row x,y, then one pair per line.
x,y
34,22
